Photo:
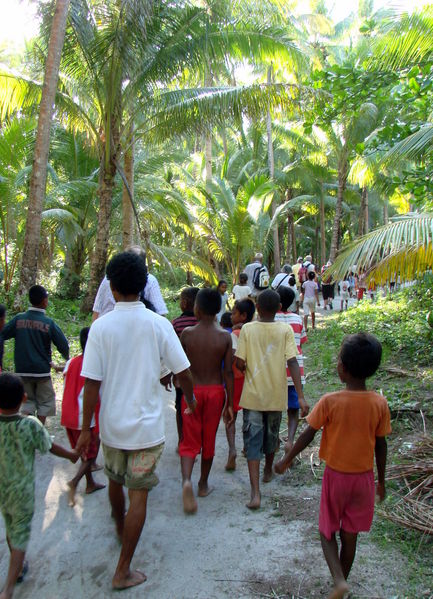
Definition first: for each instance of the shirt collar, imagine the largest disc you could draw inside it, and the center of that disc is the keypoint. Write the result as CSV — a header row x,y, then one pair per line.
x,y
129,305
37,309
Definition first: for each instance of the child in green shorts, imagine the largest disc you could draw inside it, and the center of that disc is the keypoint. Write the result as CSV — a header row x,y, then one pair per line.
x,y
20,436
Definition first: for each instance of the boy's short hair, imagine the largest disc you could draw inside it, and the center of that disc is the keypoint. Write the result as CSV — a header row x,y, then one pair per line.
x,y
226,320
127,272
361,355
84,333
37,294
243,277
189,294
269,301
246,306
2,311
287,297
311,275
292,280
11,391
208,301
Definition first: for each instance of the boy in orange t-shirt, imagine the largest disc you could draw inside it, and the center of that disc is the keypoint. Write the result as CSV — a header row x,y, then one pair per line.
x,y
243,311
355,422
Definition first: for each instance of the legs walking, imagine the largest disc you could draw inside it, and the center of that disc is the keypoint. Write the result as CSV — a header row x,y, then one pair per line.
x,y
189,502
133,525
254,472
347,551
117,500
231,440
15,568
330,551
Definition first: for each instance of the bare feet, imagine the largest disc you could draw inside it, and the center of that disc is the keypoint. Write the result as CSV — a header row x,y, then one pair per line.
x,y
267,475
134,578
204,490
95,487
189,502
71,493
254,504
339,590
231,462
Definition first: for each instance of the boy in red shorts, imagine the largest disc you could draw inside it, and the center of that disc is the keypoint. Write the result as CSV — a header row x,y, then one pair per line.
x,y
355,422
72,419
243,311
207,346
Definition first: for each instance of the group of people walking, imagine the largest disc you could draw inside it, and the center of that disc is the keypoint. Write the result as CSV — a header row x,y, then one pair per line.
x,y
114,394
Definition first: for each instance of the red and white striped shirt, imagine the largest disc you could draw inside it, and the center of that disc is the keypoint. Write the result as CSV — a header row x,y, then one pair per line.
x,y
297,324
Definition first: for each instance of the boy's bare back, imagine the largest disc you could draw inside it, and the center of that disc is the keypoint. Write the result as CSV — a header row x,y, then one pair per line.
x,y
207,346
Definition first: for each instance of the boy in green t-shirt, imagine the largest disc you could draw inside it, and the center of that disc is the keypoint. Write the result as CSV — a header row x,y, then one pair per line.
x,y
20,436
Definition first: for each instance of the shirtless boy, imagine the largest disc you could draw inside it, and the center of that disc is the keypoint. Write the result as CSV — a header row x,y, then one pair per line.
x,y
207,346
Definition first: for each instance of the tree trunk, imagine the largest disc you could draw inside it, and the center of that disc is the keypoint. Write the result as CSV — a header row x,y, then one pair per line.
x,y
322,229
385,212
365,194
343,169
271,166
361,225
208,138
38,179
127,210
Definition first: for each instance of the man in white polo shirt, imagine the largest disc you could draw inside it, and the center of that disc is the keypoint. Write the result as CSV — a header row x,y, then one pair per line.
x,y
122,364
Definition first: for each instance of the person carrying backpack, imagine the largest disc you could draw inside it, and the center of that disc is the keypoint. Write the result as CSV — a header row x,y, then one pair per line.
x,y
258,275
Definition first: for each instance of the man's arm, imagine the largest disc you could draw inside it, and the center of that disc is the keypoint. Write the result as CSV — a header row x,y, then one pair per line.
x,y
380,451
60,341
295,373
90,401
241,365
62,452
302,442
152,292
228,381
184,379
9,329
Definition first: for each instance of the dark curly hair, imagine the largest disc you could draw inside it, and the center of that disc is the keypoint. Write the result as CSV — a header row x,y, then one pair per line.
x,y
269,301
208,301
127,272
11,391
361,355
287,297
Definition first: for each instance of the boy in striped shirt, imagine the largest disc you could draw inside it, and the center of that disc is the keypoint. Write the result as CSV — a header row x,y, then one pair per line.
x,y
287,297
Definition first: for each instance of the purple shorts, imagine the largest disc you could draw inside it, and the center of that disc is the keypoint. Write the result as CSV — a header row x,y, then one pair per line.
x,y
347,502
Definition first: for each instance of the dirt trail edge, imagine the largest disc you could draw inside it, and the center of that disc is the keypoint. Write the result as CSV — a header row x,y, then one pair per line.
x,y
223,551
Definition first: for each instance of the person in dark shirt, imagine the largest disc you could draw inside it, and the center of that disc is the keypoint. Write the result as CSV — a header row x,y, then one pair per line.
x,y
34,333
186,319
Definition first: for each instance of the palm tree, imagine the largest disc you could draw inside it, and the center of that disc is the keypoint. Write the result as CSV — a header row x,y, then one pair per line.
x,y
42,145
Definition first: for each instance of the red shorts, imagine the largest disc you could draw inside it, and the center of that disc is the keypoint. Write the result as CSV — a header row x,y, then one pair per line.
x,y
238,385
360,293
347,502
200,428
92,452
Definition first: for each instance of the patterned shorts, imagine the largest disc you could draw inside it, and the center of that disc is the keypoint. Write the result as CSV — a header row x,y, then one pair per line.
x,y
134,468
18,516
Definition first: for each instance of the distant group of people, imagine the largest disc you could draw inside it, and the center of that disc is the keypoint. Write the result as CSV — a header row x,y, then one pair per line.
x,y
113,395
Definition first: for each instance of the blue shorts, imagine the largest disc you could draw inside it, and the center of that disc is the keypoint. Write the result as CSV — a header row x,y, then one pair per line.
x,y
261,433
292,398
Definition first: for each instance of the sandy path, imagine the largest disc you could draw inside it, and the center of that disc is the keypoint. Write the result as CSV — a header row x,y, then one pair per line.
x,y
223,551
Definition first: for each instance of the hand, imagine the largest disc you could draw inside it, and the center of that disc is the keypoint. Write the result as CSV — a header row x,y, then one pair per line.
x,y
191,407
380,491
83,444
305,408
235,327
74,456
228,416
166,382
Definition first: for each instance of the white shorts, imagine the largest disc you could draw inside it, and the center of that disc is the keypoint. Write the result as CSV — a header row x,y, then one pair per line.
x,y
309,305
344,295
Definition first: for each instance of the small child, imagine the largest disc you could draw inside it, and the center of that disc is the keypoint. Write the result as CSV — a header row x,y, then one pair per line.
x,y
286,314
34,332
294,306
72,419
243,312
311,298
241,291
222,290
20,436
344,293
2,324
226,321
186,319
207,346
263,349
355,422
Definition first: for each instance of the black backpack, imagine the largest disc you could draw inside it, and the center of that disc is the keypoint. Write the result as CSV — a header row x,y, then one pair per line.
x,y
261,278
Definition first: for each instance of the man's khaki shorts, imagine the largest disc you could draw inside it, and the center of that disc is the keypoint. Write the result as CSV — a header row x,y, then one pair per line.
x,y
134,468
40,396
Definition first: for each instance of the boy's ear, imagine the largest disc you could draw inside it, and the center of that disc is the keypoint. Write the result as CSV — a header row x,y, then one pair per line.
x,y
24,399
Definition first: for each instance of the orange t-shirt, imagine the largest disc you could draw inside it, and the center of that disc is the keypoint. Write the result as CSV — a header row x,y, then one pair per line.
x,y
351,421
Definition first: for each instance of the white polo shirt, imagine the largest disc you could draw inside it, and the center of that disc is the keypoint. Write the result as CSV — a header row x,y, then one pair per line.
x,y
124,351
